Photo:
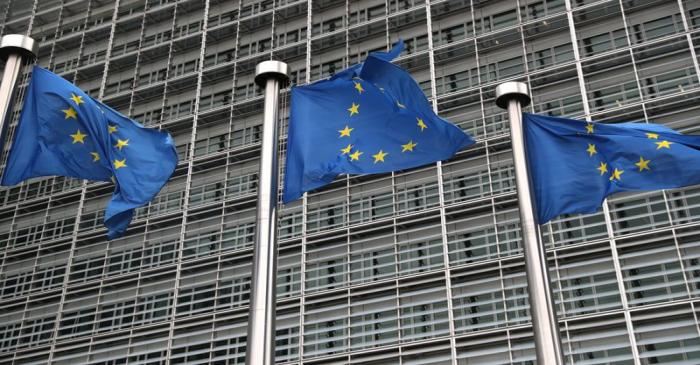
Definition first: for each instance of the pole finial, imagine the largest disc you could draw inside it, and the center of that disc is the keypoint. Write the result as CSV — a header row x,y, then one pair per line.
x,y
18,43
267,69
512,90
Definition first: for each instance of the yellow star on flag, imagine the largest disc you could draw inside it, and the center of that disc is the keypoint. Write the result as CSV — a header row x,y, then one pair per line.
x,y
355,156
663,144
652,136
347,149
642,164
121,143
408,146
379,157
358,87
354,109
111,128
591,150
603,168
616,175
421,124
118,164
78,137
77,99
589,128
70,113
95,156
345,132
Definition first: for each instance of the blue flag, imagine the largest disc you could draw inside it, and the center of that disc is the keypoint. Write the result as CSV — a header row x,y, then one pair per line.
x,y
63,131
575,164
370,118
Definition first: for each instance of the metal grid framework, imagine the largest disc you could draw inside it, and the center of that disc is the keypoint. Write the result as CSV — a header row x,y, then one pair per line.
x,y
418,267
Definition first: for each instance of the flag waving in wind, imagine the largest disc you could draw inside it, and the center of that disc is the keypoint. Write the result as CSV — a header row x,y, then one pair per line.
x,y
369,118
575,164
63,131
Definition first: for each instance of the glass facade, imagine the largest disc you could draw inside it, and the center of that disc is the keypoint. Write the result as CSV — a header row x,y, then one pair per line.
x,y
416,267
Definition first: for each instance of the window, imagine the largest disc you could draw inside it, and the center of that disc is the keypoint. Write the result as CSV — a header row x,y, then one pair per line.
x,y
325,326
472,239
570,229
290,223
637,212
666,336
423,311
419,250
373,318
326,211
587,283
465,180
603,42
289,274
540,9
652,273
326,265
477,301
488,23
370,207
372,257
657,28
233,286
287,333
416,191
601,340
197,290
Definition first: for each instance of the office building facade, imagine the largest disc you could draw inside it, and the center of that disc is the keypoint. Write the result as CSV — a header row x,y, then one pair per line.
x,y
416,267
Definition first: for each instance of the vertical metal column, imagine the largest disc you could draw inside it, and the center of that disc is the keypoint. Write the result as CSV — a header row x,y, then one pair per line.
x,y
261,320
513,96
15,49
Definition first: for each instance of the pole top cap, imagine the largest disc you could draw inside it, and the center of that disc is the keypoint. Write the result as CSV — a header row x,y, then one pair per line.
x,y
271,69
508,91
18,43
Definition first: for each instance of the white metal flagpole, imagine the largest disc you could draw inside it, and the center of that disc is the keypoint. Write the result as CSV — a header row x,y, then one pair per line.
x,y
513,96
15,49
260,347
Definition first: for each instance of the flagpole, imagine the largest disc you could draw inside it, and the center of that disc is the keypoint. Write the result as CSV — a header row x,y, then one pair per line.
x,y
513,96
261,320
15,49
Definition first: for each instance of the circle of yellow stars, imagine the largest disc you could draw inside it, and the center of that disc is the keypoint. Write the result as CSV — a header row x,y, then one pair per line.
x,y
354,109
616,174
79,137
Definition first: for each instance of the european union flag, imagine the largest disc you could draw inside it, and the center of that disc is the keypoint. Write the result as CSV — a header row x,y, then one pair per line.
x,y
575,164
63,131
370,118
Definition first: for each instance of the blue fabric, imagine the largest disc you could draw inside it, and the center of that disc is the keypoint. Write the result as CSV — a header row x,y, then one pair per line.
x,y
355,70
63,131
393,121
568,176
